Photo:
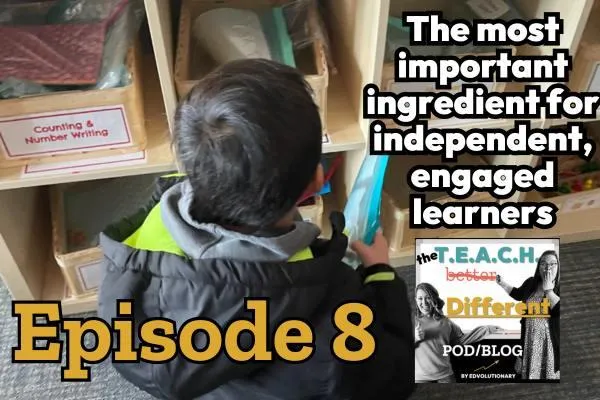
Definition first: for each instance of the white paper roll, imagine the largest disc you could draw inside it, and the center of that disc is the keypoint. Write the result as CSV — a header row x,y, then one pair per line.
x,y
231,34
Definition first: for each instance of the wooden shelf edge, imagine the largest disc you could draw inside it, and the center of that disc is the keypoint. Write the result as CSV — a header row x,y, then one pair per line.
x,y
402,259
342,147
79,305
159,22
88,176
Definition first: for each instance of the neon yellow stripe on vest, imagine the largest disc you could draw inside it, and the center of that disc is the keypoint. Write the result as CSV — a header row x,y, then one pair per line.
x,y
380,277
152,235
173,175
302,255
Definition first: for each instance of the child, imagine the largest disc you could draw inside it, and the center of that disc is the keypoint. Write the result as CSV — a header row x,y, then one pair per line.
x,y
249,140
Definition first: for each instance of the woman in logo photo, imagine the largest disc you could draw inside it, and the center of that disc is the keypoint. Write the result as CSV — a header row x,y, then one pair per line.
x,y
434,330
540,338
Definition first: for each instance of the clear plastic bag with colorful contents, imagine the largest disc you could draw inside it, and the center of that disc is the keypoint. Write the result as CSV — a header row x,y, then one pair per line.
x,y
363,208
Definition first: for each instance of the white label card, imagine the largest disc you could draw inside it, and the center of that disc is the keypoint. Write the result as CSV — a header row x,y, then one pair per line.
x,y
64,132
91,275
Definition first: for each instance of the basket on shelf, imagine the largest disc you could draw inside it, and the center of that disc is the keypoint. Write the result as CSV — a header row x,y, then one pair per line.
x,y
74,125
194,57
80,211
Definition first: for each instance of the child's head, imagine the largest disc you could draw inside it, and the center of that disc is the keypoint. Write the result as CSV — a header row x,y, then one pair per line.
x,y
249,139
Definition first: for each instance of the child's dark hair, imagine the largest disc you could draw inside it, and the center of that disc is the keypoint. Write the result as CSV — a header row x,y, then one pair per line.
x,y
249,139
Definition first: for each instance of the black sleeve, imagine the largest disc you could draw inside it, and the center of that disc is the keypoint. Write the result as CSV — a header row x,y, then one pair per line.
x,y
555,311
519,293
390,373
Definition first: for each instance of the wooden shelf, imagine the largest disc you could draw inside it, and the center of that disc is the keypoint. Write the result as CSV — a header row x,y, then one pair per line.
x,y
403,258
343,127
345,134
159,157
357,30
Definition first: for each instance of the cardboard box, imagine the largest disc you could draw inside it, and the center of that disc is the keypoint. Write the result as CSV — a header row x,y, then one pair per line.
x,y
193,62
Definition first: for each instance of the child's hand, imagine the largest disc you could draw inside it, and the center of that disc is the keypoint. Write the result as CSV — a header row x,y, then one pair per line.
x,y
377,253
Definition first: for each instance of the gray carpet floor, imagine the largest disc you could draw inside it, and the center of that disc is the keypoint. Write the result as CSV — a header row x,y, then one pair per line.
x,y
580,351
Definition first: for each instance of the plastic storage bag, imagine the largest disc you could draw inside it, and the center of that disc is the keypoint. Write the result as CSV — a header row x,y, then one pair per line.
x,y
11,88
362,211
296,15
126,23
122,20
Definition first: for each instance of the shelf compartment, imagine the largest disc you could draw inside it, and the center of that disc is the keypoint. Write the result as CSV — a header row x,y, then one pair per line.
x,y
119,110
344,132
75,230
157,157
396,211
398,35
312,210
574,15
585,76
193,60
395,31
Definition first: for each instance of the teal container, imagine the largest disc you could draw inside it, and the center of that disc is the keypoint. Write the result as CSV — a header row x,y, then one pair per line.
x,y
278,38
